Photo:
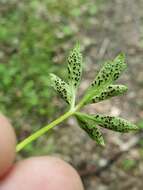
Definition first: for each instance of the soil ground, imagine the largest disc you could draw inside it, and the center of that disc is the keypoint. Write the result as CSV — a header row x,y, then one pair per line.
x,y
118,26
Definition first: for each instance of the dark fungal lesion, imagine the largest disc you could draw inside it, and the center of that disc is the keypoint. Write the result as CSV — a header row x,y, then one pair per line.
x,y
74,67
110,71
63,92
61,87
91,129
109,92
114,123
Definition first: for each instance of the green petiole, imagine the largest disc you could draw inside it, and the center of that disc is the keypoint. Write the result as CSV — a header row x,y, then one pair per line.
x,y
44,130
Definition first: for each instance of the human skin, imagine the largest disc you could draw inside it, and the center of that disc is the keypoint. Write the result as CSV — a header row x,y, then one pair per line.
x,y
7,145
36,173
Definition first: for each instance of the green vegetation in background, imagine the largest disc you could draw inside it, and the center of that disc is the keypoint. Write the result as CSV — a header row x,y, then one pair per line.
x,y
27,47
30,32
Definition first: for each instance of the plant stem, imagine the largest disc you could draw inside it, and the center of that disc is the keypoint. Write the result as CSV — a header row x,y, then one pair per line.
x,y
73,99
79,106
43,130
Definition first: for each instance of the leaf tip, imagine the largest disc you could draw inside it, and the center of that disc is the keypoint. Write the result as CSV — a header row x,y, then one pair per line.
x,y
135,127
77,46
121,59
52,75
122,55
102,143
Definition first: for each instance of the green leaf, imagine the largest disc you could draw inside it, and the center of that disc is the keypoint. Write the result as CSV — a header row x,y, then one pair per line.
x,y
109,73
109,92
90,127
114,123
74,67
61,87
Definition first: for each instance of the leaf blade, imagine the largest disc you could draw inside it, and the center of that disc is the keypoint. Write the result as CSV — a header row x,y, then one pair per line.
x,y
114,123
61,87
107,75
74,67
109,92
90,128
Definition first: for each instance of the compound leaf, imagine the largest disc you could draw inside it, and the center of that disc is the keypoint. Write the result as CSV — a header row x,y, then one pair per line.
x,y
61,87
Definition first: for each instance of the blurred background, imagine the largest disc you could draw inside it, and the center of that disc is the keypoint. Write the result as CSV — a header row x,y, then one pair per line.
x,y
35,38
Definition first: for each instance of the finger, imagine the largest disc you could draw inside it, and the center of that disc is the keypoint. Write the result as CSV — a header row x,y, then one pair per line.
x,y
7,145
44,173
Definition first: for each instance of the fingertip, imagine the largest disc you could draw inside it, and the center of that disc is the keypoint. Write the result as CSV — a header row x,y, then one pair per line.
x,y
42,173
7,145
